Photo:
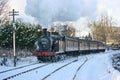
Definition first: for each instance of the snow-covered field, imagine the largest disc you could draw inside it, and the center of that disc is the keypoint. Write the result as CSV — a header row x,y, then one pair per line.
x,y
97,67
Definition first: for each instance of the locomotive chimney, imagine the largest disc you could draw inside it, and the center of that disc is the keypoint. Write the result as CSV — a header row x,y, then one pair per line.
x,y
45,31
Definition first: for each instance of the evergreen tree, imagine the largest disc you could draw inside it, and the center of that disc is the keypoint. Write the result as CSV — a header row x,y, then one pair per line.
x,y
26,35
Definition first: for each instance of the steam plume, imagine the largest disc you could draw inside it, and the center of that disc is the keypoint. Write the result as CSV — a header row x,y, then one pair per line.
x,y
48,11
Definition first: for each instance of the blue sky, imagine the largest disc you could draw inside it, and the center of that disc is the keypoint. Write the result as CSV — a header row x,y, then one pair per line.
x,y
77,11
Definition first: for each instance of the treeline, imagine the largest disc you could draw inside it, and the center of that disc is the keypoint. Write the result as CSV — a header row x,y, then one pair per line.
x,y
103,29
26,35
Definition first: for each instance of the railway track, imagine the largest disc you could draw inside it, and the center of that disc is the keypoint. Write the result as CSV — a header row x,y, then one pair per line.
x,y
26,71
23,72
17,68
80,68
58,69
42,66
47,77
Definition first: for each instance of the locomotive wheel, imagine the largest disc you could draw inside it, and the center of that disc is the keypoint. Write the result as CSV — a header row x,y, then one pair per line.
x,y
52,58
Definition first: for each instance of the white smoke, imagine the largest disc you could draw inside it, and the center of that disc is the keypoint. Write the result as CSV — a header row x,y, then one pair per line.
x,y
48,11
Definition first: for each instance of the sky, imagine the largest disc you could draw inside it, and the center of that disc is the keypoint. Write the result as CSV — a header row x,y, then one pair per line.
x,y
19,5
77,11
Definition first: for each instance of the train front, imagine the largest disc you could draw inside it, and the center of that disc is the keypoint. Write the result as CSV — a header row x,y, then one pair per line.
x,y
43,47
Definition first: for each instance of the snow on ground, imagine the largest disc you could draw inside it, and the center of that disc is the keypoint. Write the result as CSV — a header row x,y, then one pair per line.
x,y
21,62
98,67
42,72
7,74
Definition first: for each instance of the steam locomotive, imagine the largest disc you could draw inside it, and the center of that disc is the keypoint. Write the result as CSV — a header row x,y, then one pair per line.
x,y
53,46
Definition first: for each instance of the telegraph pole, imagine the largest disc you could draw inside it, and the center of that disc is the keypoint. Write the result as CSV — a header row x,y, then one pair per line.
x,y
13,13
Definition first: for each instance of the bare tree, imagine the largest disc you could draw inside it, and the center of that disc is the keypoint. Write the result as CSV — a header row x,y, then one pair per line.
x,y
64,28
115,35
101,28
4,11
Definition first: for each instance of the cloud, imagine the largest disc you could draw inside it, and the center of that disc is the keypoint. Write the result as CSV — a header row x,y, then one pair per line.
x,y
111,8
18,5
48,11
81,26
